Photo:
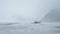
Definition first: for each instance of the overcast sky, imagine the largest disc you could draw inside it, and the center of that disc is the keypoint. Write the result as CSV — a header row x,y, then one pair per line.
x,y
25,10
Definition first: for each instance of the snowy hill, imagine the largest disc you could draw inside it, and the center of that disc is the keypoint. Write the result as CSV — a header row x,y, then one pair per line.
x,y
52,16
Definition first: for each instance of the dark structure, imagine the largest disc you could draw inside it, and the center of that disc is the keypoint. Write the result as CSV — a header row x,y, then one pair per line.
x,y
37,22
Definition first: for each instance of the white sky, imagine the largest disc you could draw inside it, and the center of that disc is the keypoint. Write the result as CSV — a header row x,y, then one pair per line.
x,y
25,10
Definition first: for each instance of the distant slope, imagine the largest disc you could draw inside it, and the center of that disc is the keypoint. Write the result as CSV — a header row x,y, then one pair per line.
x,y
52,16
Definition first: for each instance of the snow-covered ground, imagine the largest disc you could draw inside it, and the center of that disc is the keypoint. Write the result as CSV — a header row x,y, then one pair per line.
x,y
43,28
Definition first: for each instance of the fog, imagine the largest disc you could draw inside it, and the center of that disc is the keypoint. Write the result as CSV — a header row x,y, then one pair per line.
x,y
26,10
25,16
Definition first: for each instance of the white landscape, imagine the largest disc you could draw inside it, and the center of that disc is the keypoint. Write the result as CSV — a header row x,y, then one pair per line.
x,y
29,16
43,28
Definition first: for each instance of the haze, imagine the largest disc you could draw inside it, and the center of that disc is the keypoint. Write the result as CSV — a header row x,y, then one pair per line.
x,y
26,10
